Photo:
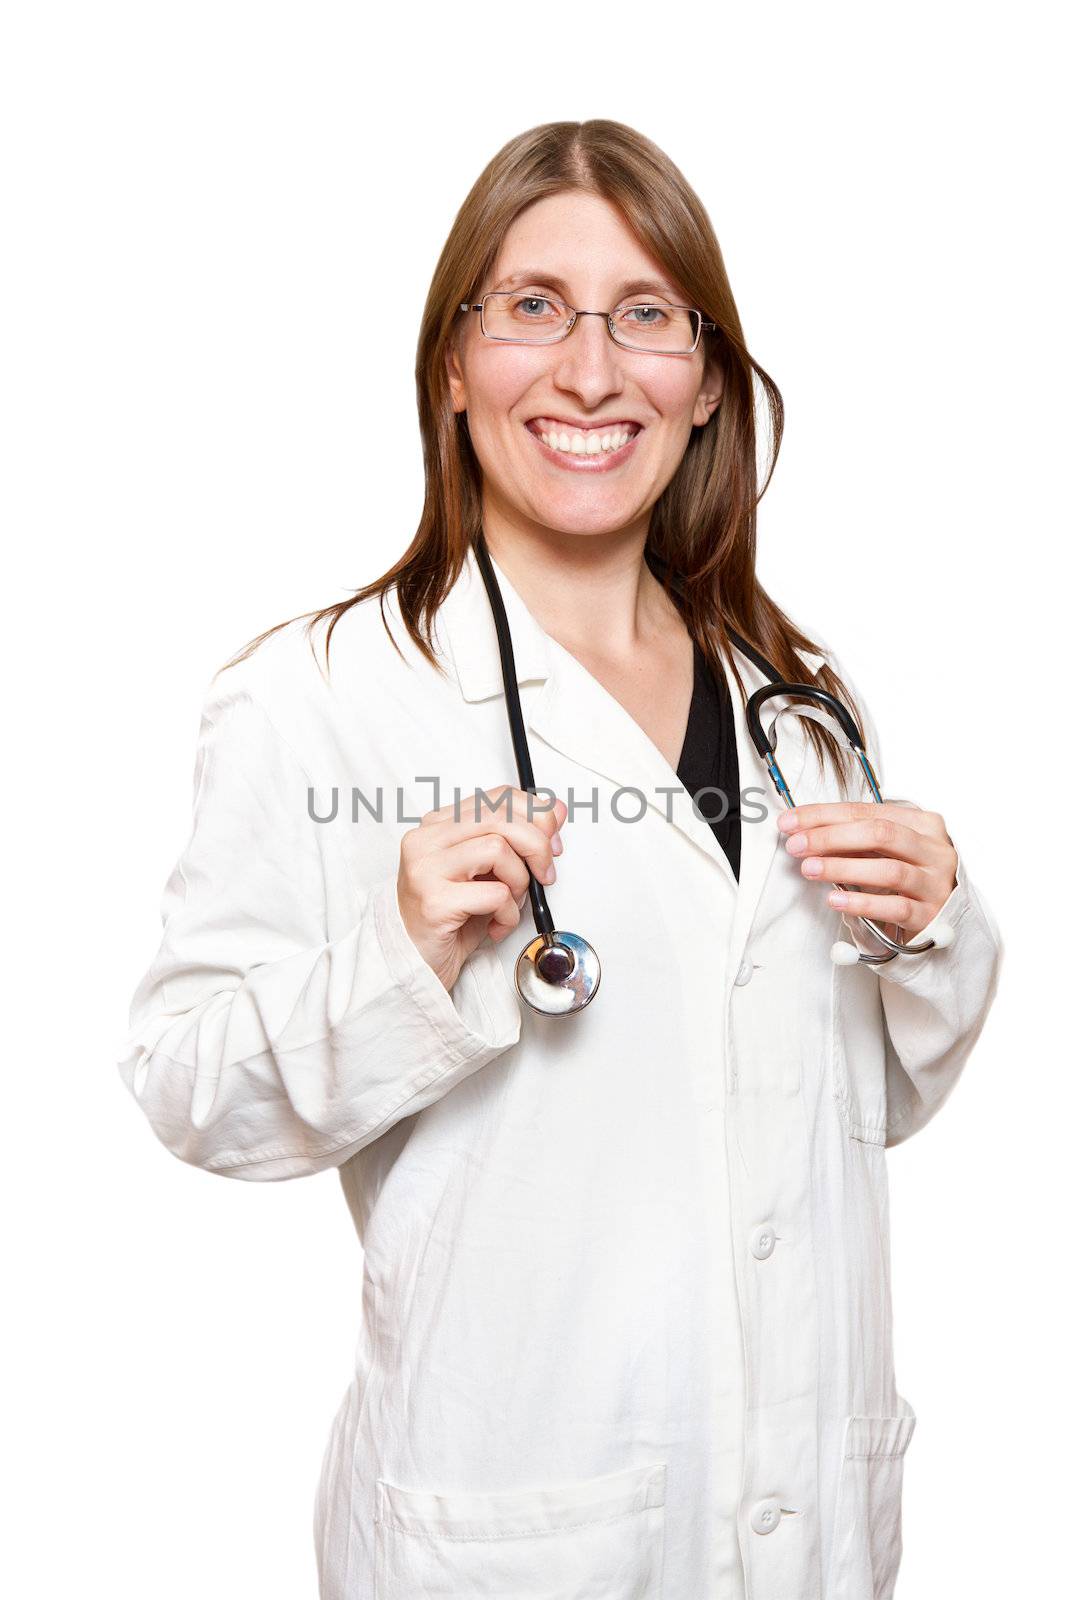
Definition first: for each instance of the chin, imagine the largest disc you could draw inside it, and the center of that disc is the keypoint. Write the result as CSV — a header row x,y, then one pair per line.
x,y
577,513
588,524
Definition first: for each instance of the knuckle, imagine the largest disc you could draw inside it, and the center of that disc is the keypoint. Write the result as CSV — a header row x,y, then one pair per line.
x,y
431,902
413,868
430,891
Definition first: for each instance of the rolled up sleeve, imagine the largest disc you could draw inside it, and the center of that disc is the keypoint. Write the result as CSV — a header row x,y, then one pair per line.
x,y
258,1047
934,1004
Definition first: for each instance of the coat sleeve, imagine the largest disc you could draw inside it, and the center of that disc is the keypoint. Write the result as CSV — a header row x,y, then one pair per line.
x,y
258,1047
934,1005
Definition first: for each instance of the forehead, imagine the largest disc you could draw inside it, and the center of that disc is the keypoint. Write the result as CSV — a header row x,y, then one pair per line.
x,y
583,243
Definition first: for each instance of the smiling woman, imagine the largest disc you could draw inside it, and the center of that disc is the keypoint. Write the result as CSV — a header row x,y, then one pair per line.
x,y
580,418
626,1300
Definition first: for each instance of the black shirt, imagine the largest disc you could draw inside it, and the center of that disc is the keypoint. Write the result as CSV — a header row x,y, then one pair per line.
x,y
709,757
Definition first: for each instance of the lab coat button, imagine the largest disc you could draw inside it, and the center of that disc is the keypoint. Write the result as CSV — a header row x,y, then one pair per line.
x,y
744,973
766,1515
762,1241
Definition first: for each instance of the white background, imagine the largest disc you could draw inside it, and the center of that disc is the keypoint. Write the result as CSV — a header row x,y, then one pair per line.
x,y
206,430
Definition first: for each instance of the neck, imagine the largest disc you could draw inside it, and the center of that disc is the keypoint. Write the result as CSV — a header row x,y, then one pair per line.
x,y
591,592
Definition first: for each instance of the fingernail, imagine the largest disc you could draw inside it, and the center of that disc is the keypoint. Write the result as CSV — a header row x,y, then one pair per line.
x,y
787,821
812,867
550,875
557,844
797,844
836,899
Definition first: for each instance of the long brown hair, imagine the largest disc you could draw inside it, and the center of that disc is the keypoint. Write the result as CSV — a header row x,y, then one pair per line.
x,y
703,527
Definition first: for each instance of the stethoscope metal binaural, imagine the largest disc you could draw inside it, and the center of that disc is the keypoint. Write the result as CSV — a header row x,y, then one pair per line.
x,y
559,972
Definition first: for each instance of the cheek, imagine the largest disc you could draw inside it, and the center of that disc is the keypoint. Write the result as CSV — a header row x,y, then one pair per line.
x,y
497,379
673,390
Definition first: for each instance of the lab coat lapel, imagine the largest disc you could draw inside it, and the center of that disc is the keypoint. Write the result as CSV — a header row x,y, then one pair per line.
x,y
567,708
570,710
576,715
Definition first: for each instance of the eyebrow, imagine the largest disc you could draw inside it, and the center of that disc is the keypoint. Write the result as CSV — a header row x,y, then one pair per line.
x,y
532,276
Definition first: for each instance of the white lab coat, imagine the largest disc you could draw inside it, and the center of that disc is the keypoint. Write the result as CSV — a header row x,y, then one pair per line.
x,y
626,1324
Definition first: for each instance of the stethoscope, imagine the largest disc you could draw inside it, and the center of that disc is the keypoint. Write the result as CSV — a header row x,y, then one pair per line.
x,y
559,972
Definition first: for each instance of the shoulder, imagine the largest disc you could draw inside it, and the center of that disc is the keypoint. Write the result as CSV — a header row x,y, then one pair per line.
x,y
822,653
305,671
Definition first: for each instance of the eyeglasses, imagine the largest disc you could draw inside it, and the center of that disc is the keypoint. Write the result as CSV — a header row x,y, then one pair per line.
x,y
516,316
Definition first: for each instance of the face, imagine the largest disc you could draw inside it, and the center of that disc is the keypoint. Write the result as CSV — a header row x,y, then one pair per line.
x,y
519,397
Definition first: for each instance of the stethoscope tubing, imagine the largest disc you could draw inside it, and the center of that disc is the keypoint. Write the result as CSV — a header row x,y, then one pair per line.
x,y
807,691
538,900
777,686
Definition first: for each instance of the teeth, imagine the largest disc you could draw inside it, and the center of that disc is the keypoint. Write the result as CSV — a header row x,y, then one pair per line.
x,y
582,444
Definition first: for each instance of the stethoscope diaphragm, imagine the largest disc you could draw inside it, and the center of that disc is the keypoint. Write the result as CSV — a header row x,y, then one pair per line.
x,y
558,973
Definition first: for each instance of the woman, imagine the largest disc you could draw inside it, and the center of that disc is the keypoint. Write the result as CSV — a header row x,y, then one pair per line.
x,y
626,1298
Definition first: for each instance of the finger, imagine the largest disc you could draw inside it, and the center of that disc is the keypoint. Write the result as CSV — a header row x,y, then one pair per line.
x,y
878,834
491,853
504,801
877,872
895,910
459,807
508,917
476,897
799,818
530,840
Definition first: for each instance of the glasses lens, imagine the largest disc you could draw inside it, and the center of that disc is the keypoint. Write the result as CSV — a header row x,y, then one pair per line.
x,y
669,330
523,314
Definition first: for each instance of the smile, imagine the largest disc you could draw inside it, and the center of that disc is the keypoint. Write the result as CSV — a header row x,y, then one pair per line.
x,y
584,449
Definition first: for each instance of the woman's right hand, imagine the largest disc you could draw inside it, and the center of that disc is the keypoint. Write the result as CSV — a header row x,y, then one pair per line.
x,y
463,876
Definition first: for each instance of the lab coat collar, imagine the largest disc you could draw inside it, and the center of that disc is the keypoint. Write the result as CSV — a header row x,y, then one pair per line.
x,y
465,618
570,710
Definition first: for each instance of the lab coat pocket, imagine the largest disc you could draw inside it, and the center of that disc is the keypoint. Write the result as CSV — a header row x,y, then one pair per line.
x,y
868,1541
601,1538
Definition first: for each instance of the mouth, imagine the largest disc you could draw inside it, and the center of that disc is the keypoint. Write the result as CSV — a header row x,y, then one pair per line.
x,y
584,449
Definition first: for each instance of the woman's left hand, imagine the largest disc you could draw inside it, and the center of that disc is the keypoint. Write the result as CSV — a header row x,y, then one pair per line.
x,y
900,858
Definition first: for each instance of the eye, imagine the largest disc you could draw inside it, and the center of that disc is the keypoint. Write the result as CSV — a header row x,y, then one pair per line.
x,y
536,307
645,316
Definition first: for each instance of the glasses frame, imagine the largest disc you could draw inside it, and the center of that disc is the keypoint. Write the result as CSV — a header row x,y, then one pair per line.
x,y
703,323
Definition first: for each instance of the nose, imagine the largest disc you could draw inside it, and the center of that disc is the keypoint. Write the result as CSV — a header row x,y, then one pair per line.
x,y
589,363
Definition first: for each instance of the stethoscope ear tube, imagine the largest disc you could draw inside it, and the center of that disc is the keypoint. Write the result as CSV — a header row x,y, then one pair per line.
x,y
842,953
800,691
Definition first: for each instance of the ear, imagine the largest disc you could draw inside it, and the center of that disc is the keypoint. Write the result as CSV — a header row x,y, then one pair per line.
x,y
454,372
710,394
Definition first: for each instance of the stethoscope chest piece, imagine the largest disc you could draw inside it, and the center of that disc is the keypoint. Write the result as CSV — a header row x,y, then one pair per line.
x,y
558,975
